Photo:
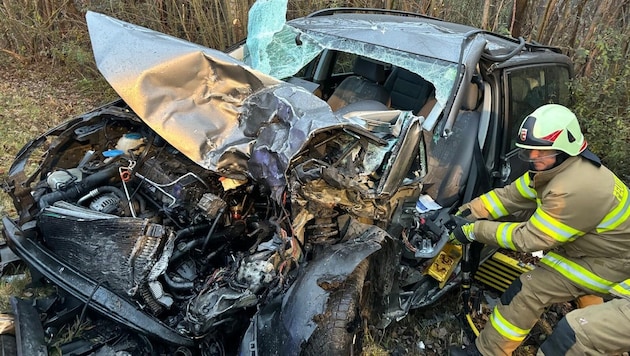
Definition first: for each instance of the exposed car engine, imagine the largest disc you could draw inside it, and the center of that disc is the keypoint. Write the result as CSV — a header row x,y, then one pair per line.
x,y
199,252
188,246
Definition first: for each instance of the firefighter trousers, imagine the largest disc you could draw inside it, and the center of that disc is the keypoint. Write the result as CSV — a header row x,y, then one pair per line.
x,y
595,330
521,306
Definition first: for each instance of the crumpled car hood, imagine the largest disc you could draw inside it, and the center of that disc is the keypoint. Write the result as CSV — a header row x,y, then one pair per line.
x,y
213,108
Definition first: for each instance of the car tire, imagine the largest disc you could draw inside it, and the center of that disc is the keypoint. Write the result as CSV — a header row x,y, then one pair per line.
x,y
340,327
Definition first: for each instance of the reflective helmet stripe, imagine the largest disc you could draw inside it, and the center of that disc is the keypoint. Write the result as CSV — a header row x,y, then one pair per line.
x,y
522,185
505,328
620,213
504,235
576,273
554,228
494,206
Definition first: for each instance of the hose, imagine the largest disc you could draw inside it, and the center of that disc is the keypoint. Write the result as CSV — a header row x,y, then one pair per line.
x,y
214,225
178,285
77,189
466,285
472,324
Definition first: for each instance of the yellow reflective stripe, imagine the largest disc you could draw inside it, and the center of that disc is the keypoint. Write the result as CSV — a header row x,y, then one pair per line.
x,y
505,328
554,228
504,235
623,288
522,185
494,206
576,273
620,213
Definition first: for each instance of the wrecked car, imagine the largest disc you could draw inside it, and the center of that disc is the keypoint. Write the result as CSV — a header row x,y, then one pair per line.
x,y
275,198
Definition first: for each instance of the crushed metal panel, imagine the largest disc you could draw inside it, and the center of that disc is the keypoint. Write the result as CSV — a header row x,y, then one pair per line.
x,y
29,332
205,103
188,94
415,37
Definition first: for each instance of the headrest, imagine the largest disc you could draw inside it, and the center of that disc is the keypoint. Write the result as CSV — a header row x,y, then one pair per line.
x,y
369,69
408,90
472,97
520,88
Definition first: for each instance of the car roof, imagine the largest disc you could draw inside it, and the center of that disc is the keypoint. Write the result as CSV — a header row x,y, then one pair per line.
x,y
407,32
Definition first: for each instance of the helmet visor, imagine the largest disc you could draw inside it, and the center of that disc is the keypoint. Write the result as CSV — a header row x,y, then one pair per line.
x,y
528,155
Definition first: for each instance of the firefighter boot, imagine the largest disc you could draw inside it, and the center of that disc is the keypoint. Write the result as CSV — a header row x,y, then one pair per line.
x,y
470,350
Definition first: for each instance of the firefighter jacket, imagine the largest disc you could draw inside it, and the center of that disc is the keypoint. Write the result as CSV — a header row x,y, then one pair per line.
x,y
622,289
578,211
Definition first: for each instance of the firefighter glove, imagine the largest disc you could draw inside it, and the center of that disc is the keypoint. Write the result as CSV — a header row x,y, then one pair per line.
x,y
464,213
463,232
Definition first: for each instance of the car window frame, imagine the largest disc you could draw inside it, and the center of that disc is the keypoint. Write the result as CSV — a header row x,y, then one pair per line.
x,y
546,80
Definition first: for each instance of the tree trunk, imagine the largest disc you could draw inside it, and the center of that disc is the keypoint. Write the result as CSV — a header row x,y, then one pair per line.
x,y
578,14
565,19
602,12
497,13
519,13
486,15
544,22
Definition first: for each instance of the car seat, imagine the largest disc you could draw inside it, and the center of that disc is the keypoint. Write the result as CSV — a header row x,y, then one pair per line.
x,y
364,85
519,89
450,159
407,90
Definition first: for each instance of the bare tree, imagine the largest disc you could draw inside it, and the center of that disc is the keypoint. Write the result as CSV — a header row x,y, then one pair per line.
x,y
602,19
519,14
497,14
486,15
578,15
544,21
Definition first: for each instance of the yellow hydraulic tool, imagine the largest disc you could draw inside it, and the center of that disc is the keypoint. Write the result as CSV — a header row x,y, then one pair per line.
x,y
444,263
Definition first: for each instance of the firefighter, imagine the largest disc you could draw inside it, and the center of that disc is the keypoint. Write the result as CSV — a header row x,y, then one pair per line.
x,y
594,330
577,210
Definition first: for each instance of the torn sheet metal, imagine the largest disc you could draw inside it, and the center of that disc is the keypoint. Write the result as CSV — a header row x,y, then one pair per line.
x,y
208,105
221,113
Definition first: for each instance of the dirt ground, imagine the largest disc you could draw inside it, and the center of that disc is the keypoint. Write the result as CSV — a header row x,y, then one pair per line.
x,y
433,330
60,94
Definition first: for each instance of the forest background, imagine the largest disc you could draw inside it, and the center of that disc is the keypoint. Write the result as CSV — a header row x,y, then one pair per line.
x,y
48,74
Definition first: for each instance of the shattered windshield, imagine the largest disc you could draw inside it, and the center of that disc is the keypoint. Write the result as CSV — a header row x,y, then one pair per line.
x,y
281,51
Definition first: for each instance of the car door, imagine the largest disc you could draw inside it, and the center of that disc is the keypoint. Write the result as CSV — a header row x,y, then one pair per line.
x,y
527,88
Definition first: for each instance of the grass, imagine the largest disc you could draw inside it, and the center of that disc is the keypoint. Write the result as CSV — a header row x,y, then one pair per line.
x,y
33,99
15,281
